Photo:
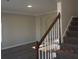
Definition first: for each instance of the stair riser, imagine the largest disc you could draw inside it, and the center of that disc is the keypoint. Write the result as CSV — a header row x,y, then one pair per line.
x,y
75,42
75,19
72,34
73,28
74,23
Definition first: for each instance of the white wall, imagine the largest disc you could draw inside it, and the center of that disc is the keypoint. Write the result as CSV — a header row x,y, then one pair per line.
x,y
21,29
17,30
46,21
69,9
38,36
42,24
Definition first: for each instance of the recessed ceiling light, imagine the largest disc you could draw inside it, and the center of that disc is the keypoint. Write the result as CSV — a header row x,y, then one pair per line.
x,y
29,6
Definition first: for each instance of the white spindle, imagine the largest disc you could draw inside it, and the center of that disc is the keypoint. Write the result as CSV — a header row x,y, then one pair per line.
x,y
42,51
58,28
54,37
45,46
55,30
48,46
39,53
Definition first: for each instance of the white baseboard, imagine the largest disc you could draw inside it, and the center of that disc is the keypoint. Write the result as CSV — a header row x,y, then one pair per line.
x,y
16,45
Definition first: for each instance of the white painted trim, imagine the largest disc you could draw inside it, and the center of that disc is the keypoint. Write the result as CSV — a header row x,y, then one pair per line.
x,y
27,13
68,25
17,45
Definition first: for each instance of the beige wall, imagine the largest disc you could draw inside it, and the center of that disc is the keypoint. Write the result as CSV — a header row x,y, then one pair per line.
x,y
20,29
69,9
46,21
17,30
38,36
43,23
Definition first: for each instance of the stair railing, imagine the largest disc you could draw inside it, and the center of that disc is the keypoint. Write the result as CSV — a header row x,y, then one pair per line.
x,y
50,42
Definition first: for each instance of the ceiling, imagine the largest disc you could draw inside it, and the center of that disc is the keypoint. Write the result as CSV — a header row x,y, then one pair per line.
x,y
20,6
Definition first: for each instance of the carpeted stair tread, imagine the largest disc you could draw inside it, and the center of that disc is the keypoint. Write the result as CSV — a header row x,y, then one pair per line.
x,y
74,23
72,33
75,19
73,28
70,42
66,55
70,47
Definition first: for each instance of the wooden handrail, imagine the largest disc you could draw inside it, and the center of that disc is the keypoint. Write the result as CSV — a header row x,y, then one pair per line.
x,y
58,17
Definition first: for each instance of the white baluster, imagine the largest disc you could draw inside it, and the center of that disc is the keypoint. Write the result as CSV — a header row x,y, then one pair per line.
x,y
55,30
39,54
45,47
48,45
58,31
52,39
58,34
42,51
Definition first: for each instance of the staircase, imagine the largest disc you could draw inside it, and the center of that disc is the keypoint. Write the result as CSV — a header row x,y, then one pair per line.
x,y
50,46
69,48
